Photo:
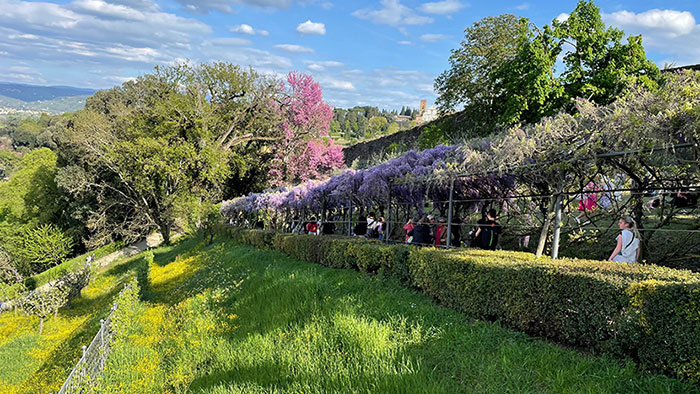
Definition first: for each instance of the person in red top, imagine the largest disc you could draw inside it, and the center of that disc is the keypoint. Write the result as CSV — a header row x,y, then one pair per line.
x,y
440,233
408,227
312,227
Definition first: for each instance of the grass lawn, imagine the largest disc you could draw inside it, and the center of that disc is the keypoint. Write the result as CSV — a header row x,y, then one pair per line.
x,y
33,363
228,318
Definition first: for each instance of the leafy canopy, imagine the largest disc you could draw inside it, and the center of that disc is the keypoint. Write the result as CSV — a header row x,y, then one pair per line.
x,y
505,72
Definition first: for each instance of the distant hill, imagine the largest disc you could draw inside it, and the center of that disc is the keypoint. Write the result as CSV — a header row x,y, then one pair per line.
x,y
16,98
30,93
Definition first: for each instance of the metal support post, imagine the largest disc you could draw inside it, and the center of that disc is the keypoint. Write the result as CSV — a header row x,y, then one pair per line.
x,y
449,214
557,227
387,230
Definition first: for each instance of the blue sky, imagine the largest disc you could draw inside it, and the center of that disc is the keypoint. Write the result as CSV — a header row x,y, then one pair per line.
x,y
380,52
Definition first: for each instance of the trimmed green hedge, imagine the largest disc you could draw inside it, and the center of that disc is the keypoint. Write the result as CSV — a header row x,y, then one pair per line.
x,y
648,313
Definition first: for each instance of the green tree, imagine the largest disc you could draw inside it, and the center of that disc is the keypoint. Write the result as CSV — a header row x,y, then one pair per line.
x,y
504,72
44,247
143,147
377,124
535,92
42,303
470,81
598,65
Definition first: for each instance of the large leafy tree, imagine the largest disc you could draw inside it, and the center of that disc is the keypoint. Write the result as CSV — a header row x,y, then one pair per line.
x,y
471,82
139,150
598,64
305,150
505,70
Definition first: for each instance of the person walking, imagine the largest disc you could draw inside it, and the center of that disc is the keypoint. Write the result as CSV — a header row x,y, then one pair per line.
x,y
627,248
381,228
440,233
410,225
421,233
488,232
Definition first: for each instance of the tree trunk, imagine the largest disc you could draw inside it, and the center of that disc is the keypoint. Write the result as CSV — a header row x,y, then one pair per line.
x,y
545,228
41,325
165,232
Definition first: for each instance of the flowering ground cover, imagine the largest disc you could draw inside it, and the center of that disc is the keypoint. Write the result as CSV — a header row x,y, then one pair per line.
x,y
227,318
33,363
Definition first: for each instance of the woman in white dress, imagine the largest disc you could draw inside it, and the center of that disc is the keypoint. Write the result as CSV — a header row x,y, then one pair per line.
x,y
627,249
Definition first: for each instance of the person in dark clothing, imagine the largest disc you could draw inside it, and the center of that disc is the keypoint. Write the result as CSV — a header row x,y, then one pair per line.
x,y
488,232
456,232
360,228
328,228
474,243
421,233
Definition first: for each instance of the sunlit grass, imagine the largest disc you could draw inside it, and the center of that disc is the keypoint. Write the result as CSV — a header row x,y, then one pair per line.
x,y
33,363
234,319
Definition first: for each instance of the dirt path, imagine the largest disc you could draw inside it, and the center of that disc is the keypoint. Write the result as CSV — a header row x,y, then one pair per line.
x,y
151,241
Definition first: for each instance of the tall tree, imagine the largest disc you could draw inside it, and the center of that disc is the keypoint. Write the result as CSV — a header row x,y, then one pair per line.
x,y
598,65
471,81
305,150
142,148
505,73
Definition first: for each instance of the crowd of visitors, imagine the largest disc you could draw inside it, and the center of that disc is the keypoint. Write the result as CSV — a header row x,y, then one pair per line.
x,y
432,231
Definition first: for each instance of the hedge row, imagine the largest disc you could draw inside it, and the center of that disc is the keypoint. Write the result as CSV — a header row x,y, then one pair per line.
x,y
648,313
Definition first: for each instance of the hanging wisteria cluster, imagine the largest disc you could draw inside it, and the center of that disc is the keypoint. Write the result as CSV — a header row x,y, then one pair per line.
x,y
407,182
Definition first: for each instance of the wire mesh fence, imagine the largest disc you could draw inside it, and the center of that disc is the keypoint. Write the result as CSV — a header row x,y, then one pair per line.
x,y
84,376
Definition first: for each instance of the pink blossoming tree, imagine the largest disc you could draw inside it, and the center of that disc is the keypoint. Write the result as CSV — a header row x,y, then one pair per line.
x,y
305,150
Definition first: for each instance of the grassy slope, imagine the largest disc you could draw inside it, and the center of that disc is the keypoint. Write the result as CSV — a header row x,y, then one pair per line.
x,y
33,363
230,319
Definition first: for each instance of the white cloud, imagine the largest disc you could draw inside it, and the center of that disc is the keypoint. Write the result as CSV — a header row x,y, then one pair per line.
x,y
331,63
248,29
291,48
671,33
404,42
308,28
94,31
393,14
321,66
333,83
262,61
226,6
326,5
227,41
563,17
442,7
671,23
523,6
433,37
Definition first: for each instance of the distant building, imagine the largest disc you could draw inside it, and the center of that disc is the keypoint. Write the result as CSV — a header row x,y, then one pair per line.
x,y
430,114
426,114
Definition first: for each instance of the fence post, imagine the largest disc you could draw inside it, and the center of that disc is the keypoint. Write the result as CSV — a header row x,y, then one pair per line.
x,y
557,227
387,230
449,214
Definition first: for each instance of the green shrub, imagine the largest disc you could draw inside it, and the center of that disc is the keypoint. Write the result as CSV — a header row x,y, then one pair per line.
x,y
648,313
